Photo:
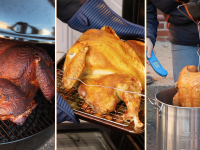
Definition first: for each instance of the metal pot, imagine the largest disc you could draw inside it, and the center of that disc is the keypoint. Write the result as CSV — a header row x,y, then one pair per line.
x,y
178,128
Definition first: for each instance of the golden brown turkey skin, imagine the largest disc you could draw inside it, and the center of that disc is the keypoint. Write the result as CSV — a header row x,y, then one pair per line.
x,y
107,55
108,62
104,100
138,47
24,68
188,94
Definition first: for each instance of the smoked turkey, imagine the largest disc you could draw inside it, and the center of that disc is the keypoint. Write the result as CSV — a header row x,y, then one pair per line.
x,y
23,69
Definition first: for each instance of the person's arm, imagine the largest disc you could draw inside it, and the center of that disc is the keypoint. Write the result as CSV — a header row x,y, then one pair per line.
x,y
152,24
67,8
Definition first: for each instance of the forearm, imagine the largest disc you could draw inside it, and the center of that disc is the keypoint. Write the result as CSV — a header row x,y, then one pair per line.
x,y
152,22
67,8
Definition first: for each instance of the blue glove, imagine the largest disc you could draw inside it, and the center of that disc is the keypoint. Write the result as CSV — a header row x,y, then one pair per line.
x,y
94,14
64,111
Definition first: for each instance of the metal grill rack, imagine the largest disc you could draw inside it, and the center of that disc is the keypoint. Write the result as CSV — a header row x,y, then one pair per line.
x,y
81,108
41,118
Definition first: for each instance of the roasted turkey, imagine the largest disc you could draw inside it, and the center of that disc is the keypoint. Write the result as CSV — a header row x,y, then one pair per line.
x,y
23,69
188,94
138,47
100,57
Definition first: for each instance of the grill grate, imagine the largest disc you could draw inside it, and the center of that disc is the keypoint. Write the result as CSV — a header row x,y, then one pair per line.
x,y
79,105
41,118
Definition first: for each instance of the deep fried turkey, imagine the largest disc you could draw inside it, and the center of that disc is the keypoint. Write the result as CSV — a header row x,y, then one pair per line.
x,y
188,94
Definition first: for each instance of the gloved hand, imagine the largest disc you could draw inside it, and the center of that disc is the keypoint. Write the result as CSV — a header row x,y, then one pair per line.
x,y
96,14
64,111
194,8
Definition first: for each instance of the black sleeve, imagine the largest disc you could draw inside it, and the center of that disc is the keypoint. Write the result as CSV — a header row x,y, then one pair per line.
x,y
67,8
152,22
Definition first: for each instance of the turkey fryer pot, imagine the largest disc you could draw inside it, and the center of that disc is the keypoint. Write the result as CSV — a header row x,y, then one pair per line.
x,y
178,128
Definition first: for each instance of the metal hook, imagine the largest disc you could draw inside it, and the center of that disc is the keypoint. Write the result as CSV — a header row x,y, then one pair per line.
x,y
198,24
198,50
199,28
198,55
184,13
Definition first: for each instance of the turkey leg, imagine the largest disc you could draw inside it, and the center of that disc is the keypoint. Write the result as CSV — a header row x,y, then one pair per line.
x,y
132,100
104,100
15,104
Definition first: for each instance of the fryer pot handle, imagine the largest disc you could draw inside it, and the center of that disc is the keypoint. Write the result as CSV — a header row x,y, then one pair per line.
x,y
154,104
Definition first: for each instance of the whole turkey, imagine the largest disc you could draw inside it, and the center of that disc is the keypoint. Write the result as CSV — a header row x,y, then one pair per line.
x,y
23,69
188,94
100,57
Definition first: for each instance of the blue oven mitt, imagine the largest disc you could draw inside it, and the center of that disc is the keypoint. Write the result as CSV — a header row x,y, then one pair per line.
x,y
96,14
64,111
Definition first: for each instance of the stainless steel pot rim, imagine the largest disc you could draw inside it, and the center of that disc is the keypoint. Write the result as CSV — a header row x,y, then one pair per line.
x,y
178,107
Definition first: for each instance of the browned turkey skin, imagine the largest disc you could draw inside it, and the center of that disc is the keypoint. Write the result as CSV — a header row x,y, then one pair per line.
x,y
188,94
102,58
23,69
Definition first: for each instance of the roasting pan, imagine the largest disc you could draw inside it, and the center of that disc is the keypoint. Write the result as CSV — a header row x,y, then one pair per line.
x,y
85,112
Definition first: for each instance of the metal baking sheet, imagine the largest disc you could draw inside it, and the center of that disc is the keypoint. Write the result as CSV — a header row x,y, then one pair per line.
x,y
84,111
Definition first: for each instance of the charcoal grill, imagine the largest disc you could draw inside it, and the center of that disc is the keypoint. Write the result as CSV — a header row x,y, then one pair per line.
x,y
32,21
112,120
39,126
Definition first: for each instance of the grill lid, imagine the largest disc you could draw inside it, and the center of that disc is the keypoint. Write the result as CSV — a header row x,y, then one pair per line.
x,y
28,20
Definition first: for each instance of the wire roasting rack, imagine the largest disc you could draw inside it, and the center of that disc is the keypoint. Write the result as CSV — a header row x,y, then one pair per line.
x,y
83,110
42,117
